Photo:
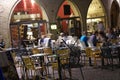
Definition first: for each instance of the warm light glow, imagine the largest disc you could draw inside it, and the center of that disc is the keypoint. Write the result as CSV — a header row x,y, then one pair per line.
x,y
29,33
53,26
32,2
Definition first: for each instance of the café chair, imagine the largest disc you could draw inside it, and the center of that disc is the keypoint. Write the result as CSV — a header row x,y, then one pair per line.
x,y
31,70
92,54
17,62
35,59
109,54
48,59
114,41
35,51
64,62
16,59
99,44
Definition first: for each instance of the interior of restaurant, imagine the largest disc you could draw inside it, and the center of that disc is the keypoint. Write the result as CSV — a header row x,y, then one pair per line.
x,y
95,14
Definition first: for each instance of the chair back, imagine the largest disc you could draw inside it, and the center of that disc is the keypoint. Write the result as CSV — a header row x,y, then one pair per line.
x,y
88,51
106,52
114,41
35,51
16,59
13,54
28,62
99,44
48,50
64,55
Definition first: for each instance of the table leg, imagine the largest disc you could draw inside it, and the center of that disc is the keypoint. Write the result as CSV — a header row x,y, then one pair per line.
x,y
102,62
59,68
90,63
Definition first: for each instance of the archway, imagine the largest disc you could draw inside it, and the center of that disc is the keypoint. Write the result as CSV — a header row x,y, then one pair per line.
x,y
114,14
95,14
68,18
28,22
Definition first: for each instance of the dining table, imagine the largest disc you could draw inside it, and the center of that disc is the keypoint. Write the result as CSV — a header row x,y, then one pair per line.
x,y
57,56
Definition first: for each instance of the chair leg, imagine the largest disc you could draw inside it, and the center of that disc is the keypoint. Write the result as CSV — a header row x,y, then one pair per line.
x,y
112,63
53,74
70,73
95,63
82,73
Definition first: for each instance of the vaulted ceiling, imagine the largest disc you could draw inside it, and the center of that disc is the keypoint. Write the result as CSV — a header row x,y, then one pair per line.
x,y
95,9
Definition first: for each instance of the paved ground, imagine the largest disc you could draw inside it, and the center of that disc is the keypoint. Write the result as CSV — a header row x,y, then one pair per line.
x,y
91,73
95,73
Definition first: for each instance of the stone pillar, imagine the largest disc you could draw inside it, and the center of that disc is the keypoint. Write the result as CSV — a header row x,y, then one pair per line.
x,y
5,10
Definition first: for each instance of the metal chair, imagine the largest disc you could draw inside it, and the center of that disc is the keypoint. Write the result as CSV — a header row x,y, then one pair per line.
x,y
48,59
74,57
109,53
92,54
64,61
17,63
29,67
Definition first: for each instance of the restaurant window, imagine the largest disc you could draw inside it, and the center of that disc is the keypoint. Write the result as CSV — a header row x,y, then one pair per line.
x,y
28,22
95,14
68,19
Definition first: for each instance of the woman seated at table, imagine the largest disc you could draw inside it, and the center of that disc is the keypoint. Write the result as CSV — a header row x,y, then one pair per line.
x,y
93,38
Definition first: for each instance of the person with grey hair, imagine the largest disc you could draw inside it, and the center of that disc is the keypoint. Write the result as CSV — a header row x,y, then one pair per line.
x,y
100,26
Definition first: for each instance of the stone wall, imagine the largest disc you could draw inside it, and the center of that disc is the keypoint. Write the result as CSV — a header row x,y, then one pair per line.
x,y
5,11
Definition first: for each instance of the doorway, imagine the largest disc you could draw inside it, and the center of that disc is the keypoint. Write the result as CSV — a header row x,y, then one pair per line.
x,y
96,13
114,14
69,19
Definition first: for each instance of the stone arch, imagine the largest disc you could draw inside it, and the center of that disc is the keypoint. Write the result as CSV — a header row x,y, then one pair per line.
x,y
27,14
73,18
39,5
96,13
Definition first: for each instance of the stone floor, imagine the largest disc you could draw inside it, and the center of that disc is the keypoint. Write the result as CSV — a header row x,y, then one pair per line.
x,y
91,73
